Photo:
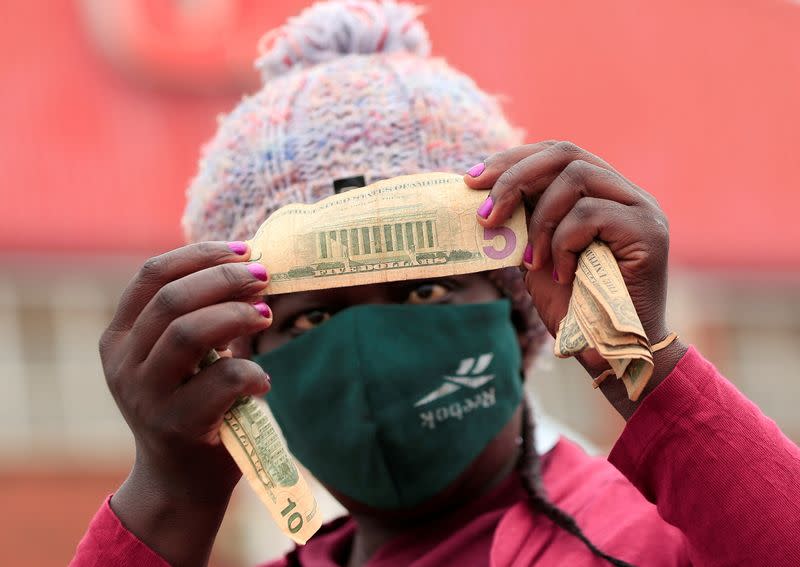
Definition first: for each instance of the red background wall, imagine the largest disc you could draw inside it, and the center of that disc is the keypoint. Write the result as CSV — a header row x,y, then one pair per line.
x,y
697,101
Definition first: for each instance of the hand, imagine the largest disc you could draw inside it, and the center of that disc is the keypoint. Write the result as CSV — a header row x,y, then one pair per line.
x,y
574,198
178,307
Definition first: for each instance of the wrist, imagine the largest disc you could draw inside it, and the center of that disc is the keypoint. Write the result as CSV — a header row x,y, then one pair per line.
x,y
165,515
664,362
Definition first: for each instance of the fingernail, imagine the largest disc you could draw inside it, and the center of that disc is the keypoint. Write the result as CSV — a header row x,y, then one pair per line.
x,y
267,379
258,271
238,247
486,208
263,309
476,169
555,275
527,256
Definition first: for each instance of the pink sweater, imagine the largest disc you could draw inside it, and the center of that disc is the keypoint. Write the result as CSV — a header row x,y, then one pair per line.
x,y
724,480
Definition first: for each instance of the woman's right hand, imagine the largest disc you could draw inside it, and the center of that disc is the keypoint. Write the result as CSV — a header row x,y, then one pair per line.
x,y
178,307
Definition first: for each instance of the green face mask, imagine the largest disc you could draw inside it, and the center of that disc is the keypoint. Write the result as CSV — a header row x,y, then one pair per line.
x,y
388,404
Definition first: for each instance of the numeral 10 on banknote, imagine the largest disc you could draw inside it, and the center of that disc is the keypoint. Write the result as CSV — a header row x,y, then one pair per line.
x,y
294,521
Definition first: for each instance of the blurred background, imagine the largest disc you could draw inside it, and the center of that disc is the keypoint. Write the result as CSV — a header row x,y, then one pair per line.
x,y
105,105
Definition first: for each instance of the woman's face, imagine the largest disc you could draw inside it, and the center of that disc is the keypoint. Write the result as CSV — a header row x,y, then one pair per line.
x,y
296,313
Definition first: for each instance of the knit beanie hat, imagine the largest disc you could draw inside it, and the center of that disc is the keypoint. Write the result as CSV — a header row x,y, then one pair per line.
x,y
348,89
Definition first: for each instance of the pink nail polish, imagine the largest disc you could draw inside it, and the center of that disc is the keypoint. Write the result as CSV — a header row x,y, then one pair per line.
x,y
486,208
527,256
555,275
263,309
259,272
476,169
238,247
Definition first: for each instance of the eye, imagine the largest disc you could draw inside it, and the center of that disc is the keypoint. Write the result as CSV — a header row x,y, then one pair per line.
x,y
308,320
428,292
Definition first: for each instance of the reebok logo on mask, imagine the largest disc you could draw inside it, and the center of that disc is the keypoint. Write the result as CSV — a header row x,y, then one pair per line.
x,y
468,375
454,383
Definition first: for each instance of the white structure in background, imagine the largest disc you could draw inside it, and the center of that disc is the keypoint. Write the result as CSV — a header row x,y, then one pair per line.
x,y
55,406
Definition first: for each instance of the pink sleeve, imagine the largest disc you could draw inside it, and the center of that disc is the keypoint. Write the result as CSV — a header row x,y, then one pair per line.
x,y
108,543
716,468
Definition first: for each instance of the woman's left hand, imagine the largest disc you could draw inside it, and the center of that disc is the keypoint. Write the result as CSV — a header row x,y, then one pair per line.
x,y
576,197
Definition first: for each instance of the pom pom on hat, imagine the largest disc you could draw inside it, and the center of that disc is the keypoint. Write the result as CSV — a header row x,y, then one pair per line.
x,y
349,89
329,30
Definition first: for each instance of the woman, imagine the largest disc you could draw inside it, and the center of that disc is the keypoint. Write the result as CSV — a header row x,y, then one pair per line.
x,y
349,91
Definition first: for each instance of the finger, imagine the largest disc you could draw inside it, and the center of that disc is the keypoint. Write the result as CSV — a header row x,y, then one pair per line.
x,y
618,225
200,404
227,282
578,180
546,295
527,178
186,340
483,175
159,270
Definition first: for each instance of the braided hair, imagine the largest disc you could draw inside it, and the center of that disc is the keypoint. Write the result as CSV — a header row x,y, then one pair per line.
x,y
533,339
530,471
